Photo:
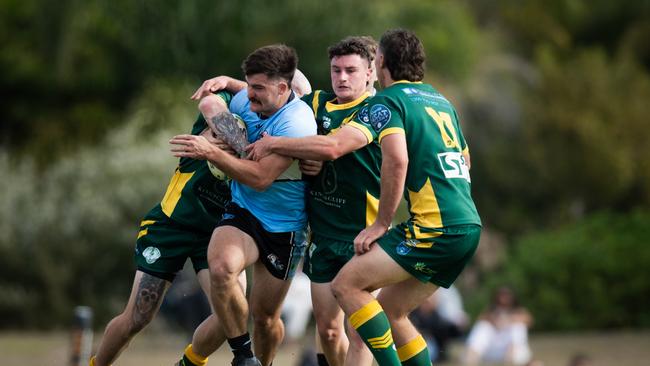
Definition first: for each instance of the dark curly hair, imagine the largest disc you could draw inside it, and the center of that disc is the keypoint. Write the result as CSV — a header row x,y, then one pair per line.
x,y
403,54
364,46
274,61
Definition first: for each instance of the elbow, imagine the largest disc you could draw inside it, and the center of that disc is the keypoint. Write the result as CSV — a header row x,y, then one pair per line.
x,y
399,167
331,153
402,163
261,184
211,105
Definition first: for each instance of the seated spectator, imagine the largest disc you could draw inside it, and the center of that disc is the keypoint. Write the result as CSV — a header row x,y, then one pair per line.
x,y
501,333
440,319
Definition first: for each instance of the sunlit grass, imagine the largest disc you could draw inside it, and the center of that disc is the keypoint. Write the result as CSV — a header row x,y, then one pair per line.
x,y
157,346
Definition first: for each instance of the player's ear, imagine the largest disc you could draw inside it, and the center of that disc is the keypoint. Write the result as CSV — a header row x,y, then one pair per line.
x,y
283,87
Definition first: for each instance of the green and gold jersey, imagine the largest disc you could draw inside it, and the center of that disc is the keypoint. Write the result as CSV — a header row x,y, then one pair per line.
x,y
438,185
194,196
344,197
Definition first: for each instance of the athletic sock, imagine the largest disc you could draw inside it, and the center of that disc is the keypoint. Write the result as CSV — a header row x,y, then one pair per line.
x,y
322,360
372,325
190,358
241,345
414,353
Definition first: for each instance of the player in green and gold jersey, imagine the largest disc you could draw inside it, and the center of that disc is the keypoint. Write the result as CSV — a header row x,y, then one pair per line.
x,y
424,158
177,228
343,198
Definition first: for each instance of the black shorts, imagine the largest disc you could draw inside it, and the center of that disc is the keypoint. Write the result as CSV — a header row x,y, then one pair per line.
x,y
280,252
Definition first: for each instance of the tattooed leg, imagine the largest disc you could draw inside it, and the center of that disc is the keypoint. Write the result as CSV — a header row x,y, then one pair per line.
x,y
148,300
146,297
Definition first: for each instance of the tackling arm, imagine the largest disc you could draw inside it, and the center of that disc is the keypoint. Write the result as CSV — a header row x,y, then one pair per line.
x,y
328,147
300,85
258,175
219,83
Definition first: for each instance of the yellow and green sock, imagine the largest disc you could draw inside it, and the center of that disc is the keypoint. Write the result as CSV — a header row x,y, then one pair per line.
x,y
372,325
414,353
190,358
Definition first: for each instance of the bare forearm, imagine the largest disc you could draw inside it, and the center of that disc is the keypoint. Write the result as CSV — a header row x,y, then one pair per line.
x,y
310,148
244,171
393,175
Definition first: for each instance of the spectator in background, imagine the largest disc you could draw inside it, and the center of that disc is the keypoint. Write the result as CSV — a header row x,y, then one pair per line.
x,y
501,332
440,319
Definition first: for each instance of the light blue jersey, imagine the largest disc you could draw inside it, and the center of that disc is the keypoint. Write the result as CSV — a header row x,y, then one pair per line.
x,y
281,207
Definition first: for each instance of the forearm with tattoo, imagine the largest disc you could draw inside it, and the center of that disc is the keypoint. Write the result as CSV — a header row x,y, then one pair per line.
x,y
227,128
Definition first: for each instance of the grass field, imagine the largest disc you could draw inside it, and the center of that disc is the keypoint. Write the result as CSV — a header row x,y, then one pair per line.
x,y
158,347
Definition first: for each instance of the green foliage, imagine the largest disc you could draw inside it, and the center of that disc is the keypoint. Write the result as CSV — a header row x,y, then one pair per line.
x,y
67,231
592,275
557,128
71,68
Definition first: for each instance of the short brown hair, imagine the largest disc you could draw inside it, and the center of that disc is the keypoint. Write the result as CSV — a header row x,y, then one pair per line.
x,y
364,46
274,61
403,54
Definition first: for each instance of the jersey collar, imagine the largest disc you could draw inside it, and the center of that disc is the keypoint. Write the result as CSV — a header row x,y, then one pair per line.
x,y
405,82
331,106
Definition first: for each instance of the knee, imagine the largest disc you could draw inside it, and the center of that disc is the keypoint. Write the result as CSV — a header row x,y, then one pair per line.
x,y
330,332
340,287
222,272
137,321
262,320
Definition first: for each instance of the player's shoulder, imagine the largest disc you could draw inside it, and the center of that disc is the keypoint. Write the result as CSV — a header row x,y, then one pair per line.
x,y
298,107
295,120
318,97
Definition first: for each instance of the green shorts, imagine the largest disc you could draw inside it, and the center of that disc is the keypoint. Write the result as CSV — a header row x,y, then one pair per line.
x,y
164,245
438,260
325,258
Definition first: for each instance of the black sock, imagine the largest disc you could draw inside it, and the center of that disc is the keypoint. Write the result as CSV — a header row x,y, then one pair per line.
x,y
241,345
322,361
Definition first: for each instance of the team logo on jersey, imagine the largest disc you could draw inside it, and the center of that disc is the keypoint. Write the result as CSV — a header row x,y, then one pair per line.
x,y
379,116
403,248
275,262
327,122
151,254
364,115
227,216
329,180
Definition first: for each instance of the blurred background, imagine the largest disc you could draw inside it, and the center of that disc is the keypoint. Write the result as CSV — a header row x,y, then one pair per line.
x,y
553,97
